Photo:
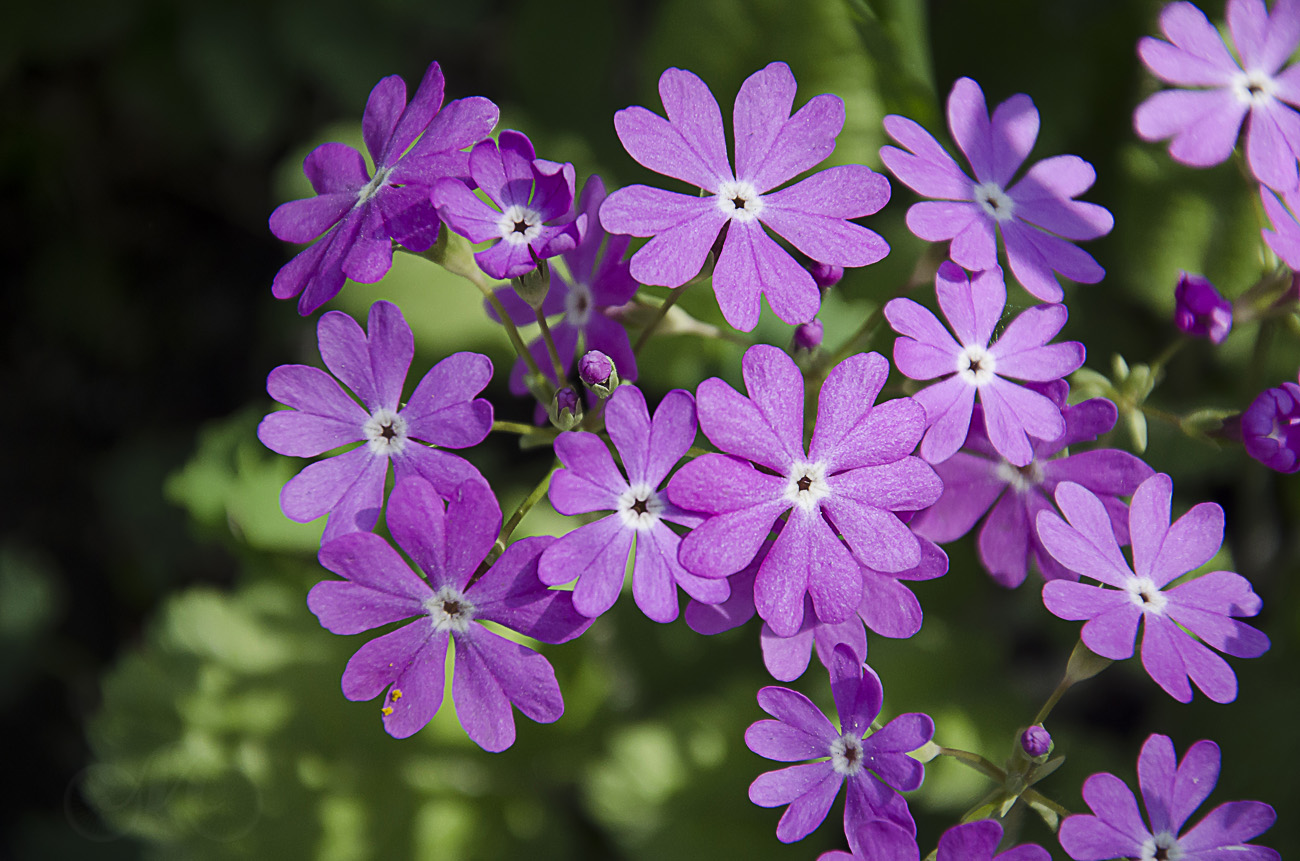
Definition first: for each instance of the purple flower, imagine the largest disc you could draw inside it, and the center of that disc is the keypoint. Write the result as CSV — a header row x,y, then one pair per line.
x,y
771,147
1036,741
1284,238
1036,216
442,411
491,673
597,553
1171,792
978,479
888,608
875,766
977,841
972,365
596,280
878,840
364,214
597,372
856,474
1270,428
1182,623
531,221
808,336
1200,310
1204,122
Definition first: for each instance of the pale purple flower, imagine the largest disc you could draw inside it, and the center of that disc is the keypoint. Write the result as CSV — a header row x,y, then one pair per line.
x,y
1182,624
363,214
772,147
857,472
491,673
1037,216
597,279
974,364
888,608
1270,428
875,766
531,220
1204,122
977,479
442,411
597,553
1284,238
1200,310
1171,792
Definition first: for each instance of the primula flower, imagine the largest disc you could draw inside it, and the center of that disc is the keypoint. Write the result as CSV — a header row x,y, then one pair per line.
x,y
1171,792
365,214
596,280
875,766
888,608
442,411
878,840
1270,428
1037,217
1284,238
531,221
857,472
771,147
597,553
491,673
971,365
977,479
1200,310
1203,123
1182,623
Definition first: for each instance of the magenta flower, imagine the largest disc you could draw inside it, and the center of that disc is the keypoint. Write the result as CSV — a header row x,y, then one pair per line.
x,y
1182,623
1037,217
363,214
875,766
771,148
531,221
858,471
491,673
1171,792
978,841
1270,428
442,411
971,365
597,553
1203,123
597,280
977,480
878,840
1200,310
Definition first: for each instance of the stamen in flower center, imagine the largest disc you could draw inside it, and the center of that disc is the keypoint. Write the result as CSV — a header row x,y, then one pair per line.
x,y
847,757
976,365
739,200
1253,88
578,304
1161,847
1147,595
385,432
1021,478
995,202
376,183
806,485
639,507
519,224
449,610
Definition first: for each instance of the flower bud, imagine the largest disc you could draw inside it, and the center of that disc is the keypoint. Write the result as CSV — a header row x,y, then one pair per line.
x,y
565,410
598,373
533,286
826,275
808,336
1200,310
1036,741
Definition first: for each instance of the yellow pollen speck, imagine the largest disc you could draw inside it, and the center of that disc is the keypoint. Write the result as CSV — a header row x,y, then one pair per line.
x,y
387,710
396,694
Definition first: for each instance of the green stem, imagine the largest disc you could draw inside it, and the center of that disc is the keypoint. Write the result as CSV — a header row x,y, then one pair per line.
x,y
515,339
1158,365
519,428
658,318
1033,796
521,512
551,349
975,761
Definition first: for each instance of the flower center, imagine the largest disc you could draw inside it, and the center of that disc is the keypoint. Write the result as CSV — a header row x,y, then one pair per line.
x,y
519,224
369,189
1253,88
994,201
385,432
1161,847
976,365
1143,592
449,611
847,756
578,304
806,485
1021,478
639,507
739,200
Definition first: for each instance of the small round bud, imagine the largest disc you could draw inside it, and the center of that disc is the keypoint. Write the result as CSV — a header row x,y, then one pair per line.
x,y
1200,310
533,286
826,275
808,336
598,373
1036,741
566,409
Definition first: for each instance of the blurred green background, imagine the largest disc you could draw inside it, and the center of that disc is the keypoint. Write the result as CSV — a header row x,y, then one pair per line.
x,y
166,694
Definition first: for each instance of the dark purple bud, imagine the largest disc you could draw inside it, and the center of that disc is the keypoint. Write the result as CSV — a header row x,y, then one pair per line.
x,y
826,275
566,409
1036,742
1200,310
1270,428
808,336
598,373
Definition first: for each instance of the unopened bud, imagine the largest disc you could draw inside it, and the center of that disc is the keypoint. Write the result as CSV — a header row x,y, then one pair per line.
x,y
826,275
533,286
565,410
808,336
598,373
1200,310
1036,741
